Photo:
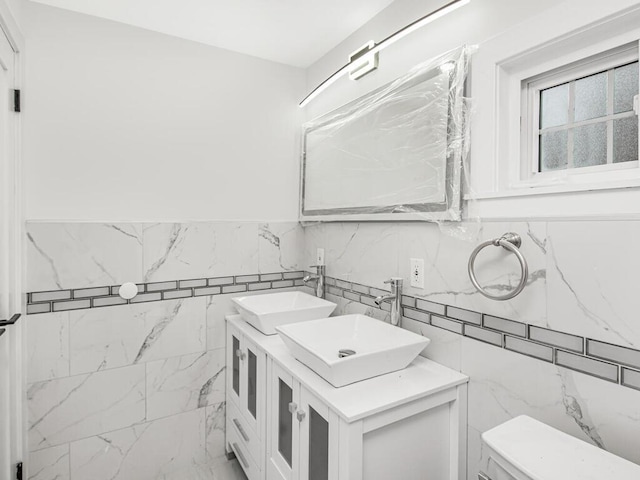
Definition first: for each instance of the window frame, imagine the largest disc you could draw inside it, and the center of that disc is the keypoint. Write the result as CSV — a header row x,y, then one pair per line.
x,y
529,174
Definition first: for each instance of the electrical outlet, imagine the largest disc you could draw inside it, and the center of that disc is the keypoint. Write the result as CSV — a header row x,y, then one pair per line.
x,y
320,256
417,272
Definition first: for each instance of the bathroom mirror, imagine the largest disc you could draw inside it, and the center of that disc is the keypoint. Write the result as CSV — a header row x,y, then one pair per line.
x,y
393,154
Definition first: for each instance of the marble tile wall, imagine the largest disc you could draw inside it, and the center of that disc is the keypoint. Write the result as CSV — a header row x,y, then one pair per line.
x,y
136,391
106,383
581,282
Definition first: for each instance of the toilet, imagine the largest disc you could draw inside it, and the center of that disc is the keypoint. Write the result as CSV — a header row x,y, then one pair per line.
x,y
525,449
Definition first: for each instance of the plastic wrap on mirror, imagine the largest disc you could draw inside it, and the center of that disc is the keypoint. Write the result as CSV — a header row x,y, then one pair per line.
x,y
396,153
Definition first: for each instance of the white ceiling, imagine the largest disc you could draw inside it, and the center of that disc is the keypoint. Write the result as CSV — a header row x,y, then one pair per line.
x,y
294,32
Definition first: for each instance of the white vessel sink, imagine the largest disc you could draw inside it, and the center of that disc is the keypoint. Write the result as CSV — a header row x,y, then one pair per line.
x,y
265,312
378,347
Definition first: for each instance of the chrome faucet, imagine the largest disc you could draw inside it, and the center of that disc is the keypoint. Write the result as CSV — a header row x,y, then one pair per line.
x,y
318,278
396,296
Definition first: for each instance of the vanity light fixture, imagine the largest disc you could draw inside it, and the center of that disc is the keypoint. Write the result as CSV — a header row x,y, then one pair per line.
x,y
362,62
365,59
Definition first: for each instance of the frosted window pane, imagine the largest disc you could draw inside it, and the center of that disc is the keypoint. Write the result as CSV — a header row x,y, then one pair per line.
x,y
625,87
590,145
625,139
553,151
591,97
554,106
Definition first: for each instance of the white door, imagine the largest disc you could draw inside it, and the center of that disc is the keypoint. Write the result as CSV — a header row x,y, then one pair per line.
x,y
11,340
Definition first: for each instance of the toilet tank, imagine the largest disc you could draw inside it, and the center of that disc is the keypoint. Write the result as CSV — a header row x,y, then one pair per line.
x,y
525,449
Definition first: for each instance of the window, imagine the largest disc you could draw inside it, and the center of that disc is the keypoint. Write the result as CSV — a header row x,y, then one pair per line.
x,y
581,118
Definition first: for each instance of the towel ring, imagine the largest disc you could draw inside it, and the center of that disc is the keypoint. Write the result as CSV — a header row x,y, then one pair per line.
x,y
509,241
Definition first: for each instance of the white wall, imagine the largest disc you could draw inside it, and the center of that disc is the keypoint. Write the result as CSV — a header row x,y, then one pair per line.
x,y
121,123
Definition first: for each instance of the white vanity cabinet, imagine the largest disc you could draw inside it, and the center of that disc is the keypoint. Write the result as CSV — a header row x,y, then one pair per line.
x,y
246,399
409,424
303,432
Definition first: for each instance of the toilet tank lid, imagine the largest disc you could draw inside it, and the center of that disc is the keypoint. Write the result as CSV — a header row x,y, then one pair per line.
x,y
544,453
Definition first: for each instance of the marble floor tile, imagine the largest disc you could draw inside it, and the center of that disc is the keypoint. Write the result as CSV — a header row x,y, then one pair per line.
x,y
216,448
179,384
148,451
66,409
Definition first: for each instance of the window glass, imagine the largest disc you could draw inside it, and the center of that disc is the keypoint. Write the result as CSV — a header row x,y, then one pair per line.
x,y
589,121
625,87
591,97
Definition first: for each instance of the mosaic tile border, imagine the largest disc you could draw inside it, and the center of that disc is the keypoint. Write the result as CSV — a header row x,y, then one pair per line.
x,y
593,357
585,355
107,296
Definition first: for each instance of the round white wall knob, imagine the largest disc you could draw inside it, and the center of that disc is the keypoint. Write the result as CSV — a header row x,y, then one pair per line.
x,y
128,290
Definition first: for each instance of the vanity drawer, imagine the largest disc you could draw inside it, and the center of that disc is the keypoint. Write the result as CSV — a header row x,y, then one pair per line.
x,y
245,460
248,438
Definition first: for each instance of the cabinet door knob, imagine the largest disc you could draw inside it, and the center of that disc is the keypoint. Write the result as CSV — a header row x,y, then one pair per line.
x,y
240,354
301,414
293,407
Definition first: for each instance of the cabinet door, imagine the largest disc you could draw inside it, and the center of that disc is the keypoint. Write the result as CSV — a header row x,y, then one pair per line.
x,y
283,441
253,373
318,439
234,354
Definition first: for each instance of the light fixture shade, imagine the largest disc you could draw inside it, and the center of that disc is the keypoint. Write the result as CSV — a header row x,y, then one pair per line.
x,y
367,61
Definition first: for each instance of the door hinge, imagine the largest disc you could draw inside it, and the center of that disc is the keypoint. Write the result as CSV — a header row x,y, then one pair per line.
x,y
19,471
16,100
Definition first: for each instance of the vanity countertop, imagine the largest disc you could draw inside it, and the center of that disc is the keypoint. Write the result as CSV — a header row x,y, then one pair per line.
x,y
420,379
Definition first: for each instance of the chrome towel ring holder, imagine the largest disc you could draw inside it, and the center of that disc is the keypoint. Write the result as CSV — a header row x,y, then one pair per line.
x,y
509,241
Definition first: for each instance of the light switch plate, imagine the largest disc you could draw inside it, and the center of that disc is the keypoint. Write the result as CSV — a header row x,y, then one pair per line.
x,y
417,272
320,256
